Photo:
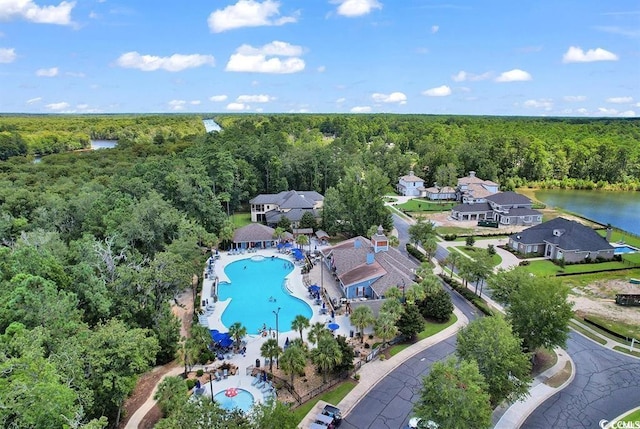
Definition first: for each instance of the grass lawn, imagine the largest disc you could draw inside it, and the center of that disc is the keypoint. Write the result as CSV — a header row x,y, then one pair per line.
x,y
444,230
635,352
586,333
241,219
621,328
431,328
418,205
633,417
548,268
585,279
332,396
618,236
471,251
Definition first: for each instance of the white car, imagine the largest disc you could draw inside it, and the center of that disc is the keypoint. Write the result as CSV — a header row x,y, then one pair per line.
x,y
416,423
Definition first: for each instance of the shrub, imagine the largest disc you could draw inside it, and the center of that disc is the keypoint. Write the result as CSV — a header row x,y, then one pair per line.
x,y
437,306
524,263
199,373
470,241
450,237
190,383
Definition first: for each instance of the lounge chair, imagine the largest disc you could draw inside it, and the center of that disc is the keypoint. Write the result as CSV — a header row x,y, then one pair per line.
x,y
267,387
261,384
225,373
217,374
256,379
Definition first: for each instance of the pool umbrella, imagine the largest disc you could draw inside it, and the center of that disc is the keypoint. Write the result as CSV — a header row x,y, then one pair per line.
x,y
218,336
225,342
333,326
314,288
288,245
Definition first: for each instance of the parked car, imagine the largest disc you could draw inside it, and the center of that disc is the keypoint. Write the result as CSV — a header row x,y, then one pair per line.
x,y
331,411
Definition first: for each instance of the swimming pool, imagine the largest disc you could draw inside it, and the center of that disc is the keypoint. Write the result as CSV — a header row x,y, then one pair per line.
x,y
242,400
256,291
619,250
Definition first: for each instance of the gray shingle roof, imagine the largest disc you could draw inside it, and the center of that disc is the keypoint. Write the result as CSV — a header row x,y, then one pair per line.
x,y
294,215
253,232
573,236
472,208
509,198
289,199
521,211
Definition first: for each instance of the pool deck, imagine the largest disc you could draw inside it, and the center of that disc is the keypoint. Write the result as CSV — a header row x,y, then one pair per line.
x,y
247,362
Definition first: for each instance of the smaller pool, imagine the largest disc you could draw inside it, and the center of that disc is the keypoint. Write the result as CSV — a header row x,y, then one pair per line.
x,y
620,250
242,400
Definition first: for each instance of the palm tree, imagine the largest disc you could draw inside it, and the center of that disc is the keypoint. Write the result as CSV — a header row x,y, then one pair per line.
x,y
226,232
237,332
317,330
171,393
392,307
393,293
302,240
299,323
327,355
293,360
270,350
279,233
385,327
454,258
361,317
430,284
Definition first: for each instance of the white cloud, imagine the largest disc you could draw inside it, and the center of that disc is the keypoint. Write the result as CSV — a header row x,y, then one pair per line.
x,y
462,76
574,98
218,98
254,98
394,97
28,10
177,104
620,100
265,59
7,55
34,100
53,71
237,106
434,29
543,103
321,69
174,63
352,8
361,109
341,100
515,75
628,114
440,91
58,106
577,55
248,13
275,48
604,111
195,102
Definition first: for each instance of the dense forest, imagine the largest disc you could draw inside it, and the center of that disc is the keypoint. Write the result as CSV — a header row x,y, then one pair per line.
x,y
95,244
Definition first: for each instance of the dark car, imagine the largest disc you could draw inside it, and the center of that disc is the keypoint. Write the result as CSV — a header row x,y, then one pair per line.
x,y
331,411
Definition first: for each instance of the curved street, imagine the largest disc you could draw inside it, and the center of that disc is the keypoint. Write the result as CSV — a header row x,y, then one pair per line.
x,y
606,383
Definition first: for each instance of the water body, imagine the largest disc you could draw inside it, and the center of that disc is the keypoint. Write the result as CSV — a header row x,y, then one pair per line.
x,y
103,144
620,209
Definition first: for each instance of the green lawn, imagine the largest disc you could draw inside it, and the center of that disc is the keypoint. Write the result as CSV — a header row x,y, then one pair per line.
x,y
471,251
418,205
241,219
548,268
444,230
430,329
585,279
633,417
332,396
618,236
621,328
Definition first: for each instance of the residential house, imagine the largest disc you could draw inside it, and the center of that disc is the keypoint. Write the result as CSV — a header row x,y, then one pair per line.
x,y
410,185
367,268
506,208
269,208
562,238
439,193
472,189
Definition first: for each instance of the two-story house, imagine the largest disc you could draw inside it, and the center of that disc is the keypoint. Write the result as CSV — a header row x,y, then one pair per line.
x,y
270,208
507,208
472,189
410,185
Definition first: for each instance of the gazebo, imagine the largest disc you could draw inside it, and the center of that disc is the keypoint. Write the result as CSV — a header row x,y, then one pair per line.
x,y
255,235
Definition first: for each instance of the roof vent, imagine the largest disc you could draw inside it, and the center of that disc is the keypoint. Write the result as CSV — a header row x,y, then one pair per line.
x,y
558,232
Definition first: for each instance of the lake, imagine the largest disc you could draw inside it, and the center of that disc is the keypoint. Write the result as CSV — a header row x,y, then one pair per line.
x,y
620,209
103,144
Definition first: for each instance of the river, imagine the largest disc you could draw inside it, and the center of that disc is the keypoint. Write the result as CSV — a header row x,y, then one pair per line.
x,y
620,209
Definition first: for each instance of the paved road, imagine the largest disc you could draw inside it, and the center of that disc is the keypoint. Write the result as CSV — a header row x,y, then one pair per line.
x,y
606,385
388,405
403,232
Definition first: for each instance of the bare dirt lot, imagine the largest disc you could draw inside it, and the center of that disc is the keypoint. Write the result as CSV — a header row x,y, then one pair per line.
x,y
598,298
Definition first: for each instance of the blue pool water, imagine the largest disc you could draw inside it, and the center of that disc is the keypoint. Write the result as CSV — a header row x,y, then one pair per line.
x,y
619,250
243,400
256,291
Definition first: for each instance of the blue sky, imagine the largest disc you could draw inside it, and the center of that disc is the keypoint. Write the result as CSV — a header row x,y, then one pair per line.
x,y
494,57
